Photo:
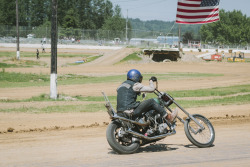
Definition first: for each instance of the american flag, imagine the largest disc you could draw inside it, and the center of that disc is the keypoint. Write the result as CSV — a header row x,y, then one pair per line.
x,y
197,11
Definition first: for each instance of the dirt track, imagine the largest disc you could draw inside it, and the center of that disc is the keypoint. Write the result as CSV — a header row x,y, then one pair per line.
x,y
88,147
233,74
78,139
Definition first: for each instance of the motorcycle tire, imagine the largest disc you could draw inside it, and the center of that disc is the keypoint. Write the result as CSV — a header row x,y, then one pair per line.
x,y
121,145
203,138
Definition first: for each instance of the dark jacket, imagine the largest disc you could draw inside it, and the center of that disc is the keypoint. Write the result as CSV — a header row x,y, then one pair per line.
x,y
126,96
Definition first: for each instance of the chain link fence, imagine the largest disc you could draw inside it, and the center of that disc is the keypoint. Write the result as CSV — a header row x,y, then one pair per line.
x,y
137,38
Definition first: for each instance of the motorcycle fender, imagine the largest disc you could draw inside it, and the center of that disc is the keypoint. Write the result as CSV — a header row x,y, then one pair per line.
x,y
116,121
188,118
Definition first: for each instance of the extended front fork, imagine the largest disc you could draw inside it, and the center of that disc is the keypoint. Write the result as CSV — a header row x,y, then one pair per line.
x,y
189,115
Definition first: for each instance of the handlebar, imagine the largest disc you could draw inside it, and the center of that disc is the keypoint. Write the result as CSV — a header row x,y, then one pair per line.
x,y
166,94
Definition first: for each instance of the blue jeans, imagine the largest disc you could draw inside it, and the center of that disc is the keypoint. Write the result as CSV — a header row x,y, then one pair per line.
x,y
148,105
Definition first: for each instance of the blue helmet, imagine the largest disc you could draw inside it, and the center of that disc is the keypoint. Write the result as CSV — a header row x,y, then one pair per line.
x,y
134,75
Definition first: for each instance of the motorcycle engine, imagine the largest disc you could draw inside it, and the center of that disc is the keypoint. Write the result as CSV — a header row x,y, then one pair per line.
x,y
163,128
157,125
150,132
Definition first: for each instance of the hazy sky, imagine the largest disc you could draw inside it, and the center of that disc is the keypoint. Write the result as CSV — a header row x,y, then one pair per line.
x,y
166,9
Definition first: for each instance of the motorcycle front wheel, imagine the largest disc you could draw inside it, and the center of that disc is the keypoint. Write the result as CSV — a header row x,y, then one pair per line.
x,y
120,141
197,136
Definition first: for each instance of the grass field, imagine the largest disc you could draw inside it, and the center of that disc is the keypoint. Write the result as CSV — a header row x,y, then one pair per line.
x,y
238,94
226,96
8,80
132,57
10,61
33,54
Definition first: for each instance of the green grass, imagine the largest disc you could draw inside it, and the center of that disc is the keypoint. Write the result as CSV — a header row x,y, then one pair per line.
x,y
218,91
99,106
21,63
241,99
133,57
5,65
30,63
97,102
79,79
33,54
42,97
20,77
222,91
8,79
247,60
7,54
91,58
58,109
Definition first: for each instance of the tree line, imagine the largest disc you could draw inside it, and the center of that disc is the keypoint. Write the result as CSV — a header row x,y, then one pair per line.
x,y
87,14
72,14
163,28
101,15
233,28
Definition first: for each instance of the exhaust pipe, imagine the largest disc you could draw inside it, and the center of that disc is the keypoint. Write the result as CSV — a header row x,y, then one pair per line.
x,y
129,120
151,138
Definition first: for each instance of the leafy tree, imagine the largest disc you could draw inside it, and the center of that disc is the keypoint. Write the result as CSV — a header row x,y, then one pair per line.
x,y
90,14
117,25
7,12
154,28
233,28
85,11
98,13
188,36
61,11
24,12
37,13
70,20
108,9
69,23
117,11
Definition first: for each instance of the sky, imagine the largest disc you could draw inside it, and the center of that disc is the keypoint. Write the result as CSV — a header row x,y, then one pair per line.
x,y
165,10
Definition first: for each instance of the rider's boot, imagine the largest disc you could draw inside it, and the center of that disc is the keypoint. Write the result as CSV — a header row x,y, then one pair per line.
x,y
171,117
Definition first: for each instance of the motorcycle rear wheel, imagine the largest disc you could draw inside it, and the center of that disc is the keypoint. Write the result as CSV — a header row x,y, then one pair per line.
x,y
197,136
121,145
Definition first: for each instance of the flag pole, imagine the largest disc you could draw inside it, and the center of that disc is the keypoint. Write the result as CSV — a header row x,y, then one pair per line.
x,y
179,41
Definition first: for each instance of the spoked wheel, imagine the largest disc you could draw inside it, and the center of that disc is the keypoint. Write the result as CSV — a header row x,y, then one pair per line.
x,y
198,136
120,141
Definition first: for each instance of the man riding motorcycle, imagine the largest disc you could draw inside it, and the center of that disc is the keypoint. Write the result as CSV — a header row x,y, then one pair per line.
x,y
127,94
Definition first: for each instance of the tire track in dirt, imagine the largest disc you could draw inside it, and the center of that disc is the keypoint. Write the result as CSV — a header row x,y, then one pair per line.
x,y
211,97
112,57
29,122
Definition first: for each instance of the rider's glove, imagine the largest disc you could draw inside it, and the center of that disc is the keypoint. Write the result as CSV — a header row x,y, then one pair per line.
x,y
154,79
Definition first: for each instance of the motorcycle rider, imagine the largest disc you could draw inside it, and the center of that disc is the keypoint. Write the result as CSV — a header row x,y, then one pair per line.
x,y
127,94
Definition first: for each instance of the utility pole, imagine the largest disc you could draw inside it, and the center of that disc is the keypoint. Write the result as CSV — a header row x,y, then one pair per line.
x,y
17,32
127,28
53,74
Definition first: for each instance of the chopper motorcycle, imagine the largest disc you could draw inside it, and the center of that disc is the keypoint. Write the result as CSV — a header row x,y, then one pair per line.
x,y
125,135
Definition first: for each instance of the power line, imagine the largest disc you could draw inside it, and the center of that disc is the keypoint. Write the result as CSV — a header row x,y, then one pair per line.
x,y
171,28
141,6
121,1
150,4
